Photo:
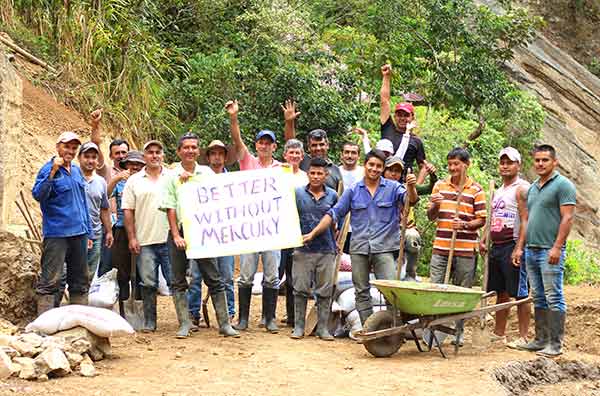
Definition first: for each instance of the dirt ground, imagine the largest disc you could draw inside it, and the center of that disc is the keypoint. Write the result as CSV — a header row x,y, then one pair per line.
x,y
159,364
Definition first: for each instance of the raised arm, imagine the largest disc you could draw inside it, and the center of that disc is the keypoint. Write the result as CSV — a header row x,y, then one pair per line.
x,y
384,94
365,138
236,136
289,115
95,119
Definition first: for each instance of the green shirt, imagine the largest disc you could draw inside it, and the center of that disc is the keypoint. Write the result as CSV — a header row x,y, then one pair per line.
x,y
543,204
171,194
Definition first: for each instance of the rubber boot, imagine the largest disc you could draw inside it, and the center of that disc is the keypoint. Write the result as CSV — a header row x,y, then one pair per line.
x,y
323,309
300,303
78,298
269,307
45,302
121,309
183,315
411,266
149,304
364,315
244,296
220,304
541,331
460,333
556,325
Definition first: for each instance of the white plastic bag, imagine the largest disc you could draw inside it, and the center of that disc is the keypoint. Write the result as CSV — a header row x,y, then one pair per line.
x,y
163,288
104,290
257,283
353,321
100,321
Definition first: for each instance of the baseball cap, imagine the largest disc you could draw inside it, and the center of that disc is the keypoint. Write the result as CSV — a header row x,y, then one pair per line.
x,y
216,143
132,156
68,136
230,155
151,142
512,154
187,135
385,145
391,161
87,146
266,132
406,107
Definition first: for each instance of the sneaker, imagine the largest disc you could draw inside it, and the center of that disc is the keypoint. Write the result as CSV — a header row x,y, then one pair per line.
x,y
498,338
519,343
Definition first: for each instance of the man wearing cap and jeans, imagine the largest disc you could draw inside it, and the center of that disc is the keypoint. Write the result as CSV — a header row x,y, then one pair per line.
x,y
265,144
398,130
507,275
97,200
216,156
60,189
147,226
120,254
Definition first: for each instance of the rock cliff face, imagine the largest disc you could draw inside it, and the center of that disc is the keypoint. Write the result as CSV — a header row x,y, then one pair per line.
x,y
11,99
570,94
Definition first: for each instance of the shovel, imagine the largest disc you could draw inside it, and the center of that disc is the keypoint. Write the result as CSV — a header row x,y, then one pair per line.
x,y
481,337
134,309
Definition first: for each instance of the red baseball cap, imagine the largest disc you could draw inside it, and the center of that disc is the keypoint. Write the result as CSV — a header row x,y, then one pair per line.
x,y
406,107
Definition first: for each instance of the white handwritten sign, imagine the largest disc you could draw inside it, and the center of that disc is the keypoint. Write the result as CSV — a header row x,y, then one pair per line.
x,y
239,212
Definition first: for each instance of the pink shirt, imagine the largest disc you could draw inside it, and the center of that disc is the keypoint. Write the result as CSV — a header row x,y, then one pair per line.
x,y
250,162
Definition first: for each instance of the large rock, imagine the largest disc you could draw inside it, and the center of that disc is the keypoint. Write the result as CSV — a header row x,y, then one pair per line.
x,y
28,370
52,362
81,340
6,366
570,94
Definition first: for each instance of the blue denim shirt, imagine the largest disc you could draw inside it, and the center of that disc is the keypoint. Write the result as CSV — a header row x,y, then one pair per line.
x,y
311,211
62,201
374,220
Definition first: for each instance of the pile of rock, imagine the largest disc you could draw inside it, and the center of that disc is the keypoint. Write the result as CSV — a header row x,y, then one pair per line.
x,y
33,357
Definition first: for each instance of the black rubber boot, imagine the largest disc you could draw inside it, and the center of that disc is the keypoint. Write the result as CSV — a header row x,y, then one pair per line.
x,y
183,315
78,298
323,309
149,304
220,304
300,303
45,302
542,333
244,297
364,315
556,325
269,307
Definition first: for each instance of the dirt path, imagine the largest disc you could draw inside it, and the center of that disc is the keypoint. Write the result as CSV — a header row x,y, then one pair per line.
x,y
207,364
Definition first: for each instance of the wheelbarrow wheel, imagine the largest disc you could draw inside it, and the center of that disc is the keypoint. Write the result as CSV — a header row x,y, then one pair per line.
x,y
384,346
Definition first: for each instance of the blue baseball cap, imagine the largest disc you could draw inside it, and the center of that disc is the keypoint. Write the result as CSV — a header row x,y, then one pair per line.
x,y
266,132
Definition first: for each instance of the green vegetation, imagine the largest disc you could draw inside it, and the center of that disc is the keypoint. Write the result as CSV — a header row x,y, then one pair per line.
x,y
160,68
582,265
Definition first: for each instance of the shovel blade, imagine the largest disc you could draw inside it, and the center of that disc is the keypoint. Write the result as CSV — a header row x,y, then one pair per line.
x,y
134,314
481,338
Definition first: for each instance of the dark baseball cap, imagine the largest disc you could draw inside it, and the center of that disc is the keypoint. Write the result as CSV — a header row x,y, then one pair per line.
x,y
132,156
265,132
87,146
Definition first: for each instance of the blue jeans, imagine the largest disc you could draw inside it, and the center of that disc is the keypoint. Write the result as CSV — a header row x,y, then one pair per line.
x,y
148,261
546,279
194,294
93,257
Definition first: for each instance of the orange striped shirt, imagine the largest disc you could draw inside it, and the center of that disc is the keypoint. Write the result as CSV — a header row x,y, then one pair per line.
x,y
472,206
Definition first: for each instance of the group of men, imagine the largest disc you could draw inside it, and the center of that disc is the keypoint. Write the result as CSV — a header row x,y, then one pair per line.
x,y
529,224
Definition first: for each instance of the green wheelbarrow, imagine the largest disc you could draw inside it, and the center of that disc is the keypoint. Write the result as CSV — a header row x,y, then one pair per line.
x,y
425,306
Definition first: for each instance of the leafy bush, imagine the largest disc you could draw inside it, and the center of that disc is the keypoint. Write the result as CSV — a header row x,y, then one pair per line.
x,y
582,265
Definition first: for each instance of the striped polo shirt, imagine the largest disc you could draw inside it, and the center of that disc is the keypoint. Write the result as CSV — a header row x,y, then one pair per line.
x,y
472,206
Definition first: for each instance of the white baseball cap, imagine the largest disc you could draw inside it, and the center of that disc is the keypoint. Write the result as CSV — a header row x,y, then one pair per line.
x,y
385,145
512,154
